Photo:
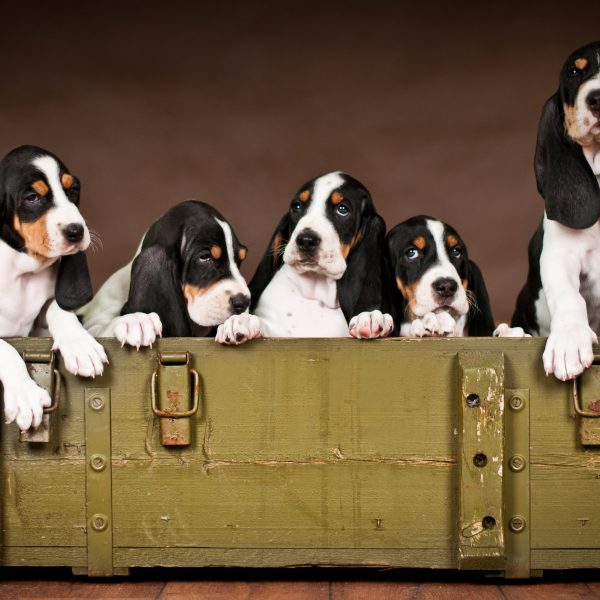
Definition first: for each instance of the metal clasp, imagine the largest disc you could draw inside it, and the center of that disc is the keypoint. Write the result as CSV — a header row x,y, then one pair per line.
x,y
589,383
41,368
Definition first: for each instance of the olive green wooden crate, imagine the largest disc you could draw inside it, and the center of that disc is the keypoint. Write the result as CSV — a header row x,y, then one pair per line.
x,y
436,453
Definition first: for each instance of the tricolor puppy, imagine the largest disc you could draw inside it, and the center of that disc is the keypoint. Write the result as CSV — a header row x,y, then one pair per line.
x,y
321,275
184,281
561,297
43,274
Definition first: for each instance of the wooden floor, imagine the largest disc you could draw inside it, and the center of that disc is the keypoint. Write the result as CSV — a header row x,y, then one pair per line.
x,y
305,585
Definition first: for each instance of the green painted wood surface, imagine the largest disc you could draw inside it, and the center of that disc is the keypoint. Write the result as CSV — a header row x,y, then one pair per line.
x,y
303,451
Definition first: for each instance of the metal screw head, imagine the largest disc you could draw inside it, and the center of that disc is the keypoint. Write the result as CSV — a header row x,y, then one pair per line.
x,y
473,400
98,462
517,524
516,402
99,522
517,463
96,402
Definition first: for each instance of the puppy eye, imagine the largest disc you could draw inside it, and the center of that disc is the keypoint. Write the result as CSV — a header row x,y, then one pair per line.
x,y
342,210
296,206
31,198
456,252
573,72
412,254
204,257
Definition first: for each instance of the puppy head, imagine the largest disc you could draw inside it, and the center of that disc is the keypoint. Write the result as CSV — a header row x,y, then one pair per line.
x,y
39,205
580,94
430,267
188,270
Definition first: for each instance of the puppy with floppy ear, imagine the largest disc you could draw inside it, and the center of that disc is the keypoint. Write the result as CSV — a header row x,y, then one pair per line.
x,y
183,281
560,297
321,275
44,274
437,289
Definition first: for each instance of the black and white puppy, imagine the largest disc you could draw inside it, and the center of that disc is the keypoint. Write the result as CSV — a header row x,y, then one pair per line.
x,y
321,275
561,297
437,289
183,281
43,274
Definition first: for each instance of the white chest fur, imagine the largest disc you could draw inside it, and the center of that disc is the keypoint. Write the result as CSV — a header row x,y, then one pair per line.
x,y
301,305
26,284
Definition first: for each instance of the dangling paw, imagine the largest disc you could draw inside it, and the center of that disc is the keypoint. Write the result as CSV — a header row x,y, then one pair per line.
x,y
238,329
137,329
440,324
24,402
505,330
371,325
81,353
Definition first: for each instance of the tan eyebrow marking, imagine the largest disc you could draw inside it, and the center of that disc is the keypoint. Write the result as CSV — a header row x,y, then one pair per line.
x,y
304,196
336,197
581,63
39,187
67,180
216,252
452,241
243,253
420,242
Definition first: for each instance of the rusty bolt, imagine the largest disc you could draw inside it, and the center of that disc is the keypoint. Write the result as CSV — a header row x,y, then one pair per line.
x,y
516,402
96,402
517,524
98,462
99,522
517,463
473,400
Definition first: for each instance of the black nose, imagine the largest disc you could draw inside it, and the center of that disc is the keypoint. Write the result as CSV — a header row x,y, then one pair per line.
x,y
308,240
593,101
239,303
445,287
73,232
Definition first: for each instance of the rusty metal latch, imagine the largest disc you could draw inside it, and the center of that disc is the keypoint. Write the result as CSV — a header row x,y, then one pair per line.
x,y
42,369
174,386
587,386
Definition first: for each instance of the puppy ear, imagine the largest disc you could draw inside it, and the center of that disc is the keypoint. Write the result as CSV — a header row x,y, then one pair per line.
x,y
564,178
361,288
271,261
480,319
73,286
156,287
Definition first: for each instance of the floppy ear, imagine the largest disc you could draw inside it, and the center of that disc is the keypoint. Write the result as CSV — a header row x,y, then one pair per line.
x,y
156,287
361,288
73,285
564,178
480,319
271,261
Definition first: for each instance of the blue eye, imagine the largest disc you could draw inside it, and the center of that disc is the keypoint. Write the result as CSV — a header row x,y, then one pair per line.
x,y
342,210
412,253
296,205
456,252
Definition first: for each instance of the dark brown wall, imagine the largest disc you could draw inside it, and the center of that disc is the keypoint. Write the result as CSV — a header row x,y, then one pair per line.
x,y
433,106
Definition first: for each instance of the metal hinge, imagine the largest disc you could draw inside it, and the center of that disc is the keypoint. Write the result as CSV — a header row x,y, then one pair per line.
x,y
175,397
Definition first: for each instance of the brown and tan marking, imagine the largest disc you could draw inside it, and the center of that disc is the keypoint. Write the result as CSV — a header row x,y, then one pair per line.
x,y
419,242
304,196
216,252
276,248
336,198
192,292
40,187
452,241
408,292
67,180
35,235
346,248
242,253
581,63
575,128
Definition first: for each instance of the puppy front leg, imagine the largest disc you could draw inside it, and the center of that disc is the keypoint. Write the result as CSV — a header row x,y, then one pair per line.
x,y
24,400
82,354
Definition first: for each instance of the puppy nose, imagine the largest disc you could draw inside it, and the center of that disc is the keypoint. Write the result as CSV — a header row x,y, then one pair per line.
x,y
73,232
445,287
308,240
239,303
593,101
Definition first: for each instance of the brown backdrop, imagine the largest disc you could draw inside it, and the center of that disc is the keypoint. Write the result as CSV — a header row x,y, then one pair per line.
x,y
433,106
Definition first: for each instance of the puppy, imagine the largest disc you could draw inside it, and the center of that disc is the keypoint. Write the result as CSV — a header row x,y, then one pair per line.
x,y
183,281
561,298
321,275
43,274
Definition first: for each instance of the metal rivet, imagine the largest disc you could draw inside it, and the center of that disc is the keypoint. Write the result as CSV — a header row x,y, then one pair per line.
x,y
98,462
480,460
96,402
516,402
99,522
517,523
473,400
517,463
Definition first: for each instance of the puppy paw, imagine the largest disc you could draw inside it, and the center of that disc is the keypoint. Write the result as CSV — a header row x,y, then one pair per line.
x,y
137,329
431,325
24,402
370,325
505,330
569,352
81,353
238,329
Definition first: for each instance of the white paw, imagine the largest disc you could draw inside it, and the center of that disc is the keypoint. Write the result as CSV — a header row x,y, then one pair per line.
x,y
81,353
370,325
431,324
569,352
505,330
138,329
238,329
24,402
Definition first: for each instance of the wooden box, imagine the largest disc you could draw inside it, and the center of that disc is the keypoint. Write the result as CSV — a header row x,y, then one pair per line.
x,y
437,453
